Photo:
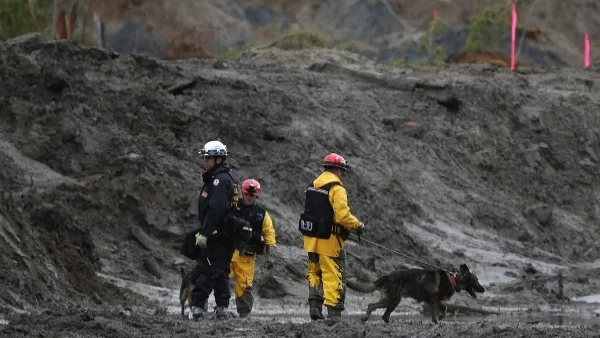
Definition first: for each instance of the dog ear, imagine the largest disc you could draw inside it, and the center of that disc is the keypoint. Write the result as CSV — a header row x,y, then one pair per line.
x,y
464,270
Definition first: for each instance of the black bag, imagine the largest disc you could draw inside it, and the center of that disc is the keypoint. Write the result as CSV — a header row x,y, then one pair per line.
x,y
256,246
240,229
189,248
317,218
259,245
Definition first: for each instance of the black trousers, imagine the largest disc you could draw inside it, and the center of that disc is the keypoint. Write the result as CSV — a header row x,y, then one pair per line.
x,y
212,273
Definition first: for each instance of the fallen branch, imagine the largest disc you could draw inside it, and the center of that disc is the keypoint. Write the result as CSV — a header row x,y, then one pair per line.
x,y
143,238
179,88
152,267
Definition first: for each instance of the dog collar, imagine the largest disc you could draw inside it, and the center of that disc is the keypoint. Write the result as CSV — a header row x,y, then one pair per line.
x,y
453,281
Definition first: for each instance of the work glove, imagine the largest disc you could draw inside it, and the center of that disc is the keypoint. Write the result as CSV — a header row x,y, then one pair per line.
x,y
361,229
270,259
200,240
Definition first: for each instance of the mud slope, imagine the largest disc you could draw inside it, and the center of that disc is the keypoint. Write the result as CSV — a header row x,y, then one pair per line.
x,y
499,170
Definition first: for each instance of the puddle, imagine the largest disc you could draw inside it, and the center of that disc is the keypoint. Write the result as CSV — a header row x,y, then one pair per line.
x,y
588,299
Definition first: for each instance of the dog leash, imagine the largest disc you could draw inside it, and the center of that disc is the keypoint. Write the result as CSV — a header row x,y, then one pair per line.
x,y
358,239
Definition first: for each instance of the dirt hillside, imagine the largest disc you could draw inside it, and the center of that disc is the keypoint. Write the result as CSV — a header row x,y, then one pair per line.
x,y
498,170
383,30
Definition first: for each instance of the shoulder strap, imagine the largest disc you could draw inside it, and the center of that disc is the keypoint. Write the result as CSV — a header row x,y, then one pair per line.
x,y
236,192
329,185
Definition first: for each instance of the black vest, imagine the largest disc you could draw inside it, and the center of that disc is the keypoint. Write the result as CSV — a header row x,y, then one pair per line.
x,y
246,241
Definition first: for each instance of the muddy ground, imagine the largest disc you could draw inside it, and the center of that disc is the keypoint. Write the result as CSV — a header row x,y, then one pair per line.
x,y
498,171
117,323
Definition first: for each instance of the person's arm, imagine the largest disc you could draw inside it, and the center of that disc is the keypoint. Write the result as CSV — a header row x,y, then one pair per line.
x,y
341,210
268,231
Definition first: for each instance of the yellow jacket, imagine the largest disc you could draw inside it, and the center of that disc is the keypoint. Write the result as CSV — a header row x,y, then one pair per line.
x,y
268,233
341,214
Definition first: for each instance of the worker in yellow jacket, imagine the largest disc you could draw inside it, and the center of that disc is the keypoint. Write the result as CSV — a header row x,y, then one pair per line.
x,y
326,224
253,239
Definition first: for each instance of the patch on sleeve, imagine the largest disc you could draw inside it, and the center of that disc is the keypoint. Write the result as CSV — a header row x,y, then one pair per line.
x,y
204,194
216,181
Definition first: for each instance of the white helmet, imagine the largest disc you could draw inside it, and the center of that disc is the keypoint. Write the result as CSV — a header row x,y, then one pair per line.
x,y
214,149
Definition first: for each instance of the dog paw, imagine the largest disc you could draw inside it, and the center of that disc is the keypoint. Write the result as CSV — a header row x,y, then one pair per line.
x,y
442,316
364,319
386,319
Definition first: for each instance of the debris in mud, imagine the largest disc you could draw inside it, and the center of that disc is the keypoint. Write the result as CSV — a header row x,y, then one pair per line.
x,y
143,238
530,269
542,213
152,267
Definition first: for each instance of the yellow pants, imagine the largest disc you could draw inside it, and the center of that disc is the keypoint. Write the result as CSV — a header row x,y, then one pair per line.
x,y
326,279
243,272
242,269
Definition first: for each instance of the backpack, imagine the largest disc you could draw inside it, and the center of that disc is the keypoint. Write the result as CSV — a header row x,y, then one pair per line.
x,y
317,219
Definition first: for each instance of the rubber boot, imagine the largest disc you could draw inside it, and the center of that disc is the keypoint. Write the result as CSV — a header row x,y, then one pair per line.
x,y
197,312
244,303
221,312
316,310
334,315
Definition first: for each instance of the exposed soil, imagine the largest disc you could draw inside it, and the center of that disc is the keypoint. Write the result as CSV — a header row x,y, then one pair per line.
x,y
383,30
498,171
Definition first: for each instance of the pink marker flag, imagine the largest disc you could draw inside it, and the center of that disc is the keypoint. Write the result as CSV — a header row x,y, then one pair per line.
x,y
513,37
435,15
586,56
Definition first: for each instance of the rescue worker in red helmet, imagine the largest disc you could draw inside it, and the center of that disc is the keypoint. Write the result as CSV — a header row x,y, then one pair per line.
x,y
326,224
261,237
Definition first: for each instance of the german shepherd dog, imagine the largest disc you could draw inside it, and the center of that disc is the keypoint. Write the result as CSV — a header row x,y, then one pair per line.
x,y
429,285
187,287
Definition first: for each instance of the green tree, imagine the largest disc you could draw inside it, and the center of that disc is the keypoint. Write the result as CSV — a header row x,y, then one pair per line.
x,y
426,43
488,28
22,16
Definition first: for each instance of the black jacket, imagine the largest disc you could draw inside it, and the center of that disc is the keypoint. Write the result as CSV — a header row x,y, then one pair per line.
x,y
215,199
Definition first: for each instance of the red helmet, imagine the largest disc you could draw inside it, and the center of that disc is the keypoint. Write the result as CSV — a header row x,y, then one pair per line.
x,y
336,161
251,187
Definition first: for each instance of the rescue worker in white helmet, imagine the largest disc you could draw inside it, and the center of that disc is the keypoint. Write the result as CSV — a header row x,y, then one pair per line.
x,y
326,224
256,238
213,238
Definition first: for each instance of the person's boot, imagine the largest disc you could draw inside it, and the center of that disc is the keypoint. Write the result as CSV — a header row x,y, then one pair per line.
x,y
197,312
221,312
334,315
315,310
244,303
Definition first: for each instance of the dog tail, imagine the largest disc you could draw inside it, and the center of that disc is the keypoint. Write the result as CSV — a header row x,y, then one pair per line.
x,y
361,287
